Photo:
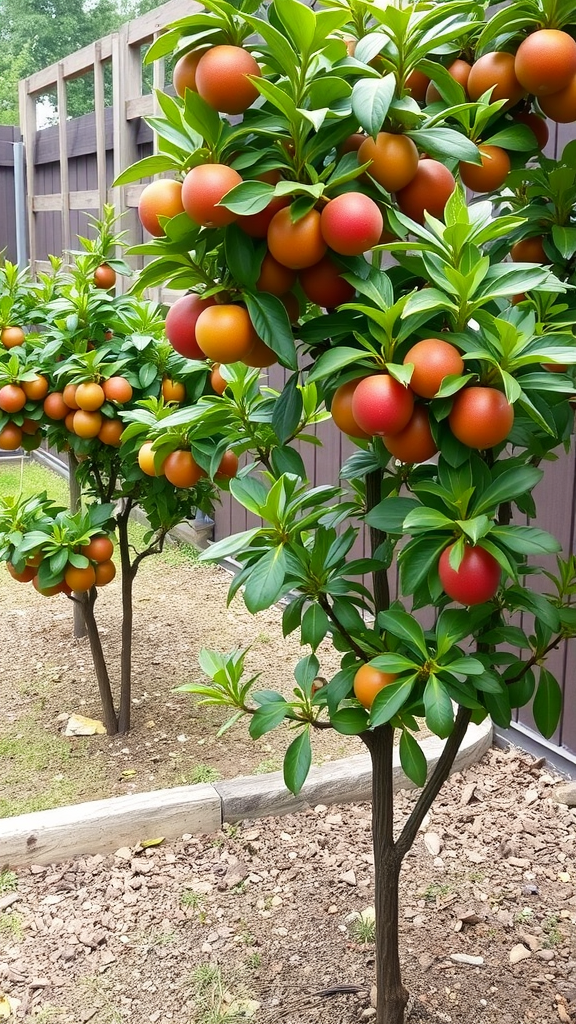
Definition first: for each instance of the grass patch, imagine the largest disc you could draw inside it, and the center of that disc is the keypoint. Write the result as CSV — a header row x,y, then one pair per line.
x,y
11,927
36,768
203,773
31,478
8,881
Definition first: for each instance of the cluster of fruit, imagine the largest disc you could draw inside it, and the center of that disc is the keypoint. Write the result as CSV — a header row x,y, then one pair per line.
x,y
100,570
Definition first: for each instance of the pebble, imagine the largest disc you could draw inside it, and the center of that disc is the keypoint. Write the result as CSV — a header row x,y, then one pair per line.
x,y
433,843
349,877
518,953
466,958
566,793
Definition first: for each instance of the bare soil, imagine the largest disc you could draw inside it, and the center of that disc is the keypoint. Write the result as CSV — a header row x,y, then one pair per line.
x,y
261,914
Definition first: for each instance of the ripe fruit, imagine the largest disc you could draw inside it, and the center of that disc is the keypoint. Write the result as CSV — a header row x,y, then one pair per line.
x,y
104,573
182,470
222,78
87,424
217,381
433,359
204,186
323,284
12,336
415,443
173,390
546,61
146,460
117,389
561,106
274,277
394,159
292,306
260,355
529,250
417,84
225,333
351,223
481,417
29,426
69,420
368,682
10,438
55,407
80,580
381,405
58,588
69,396
296,244
89,396
491,174
100,549
459,70
228,465
430,189
161,198
35,389
110,432
12,398
477,578
104,276
537,125
26,575
184,74
341,409
495,69
181,324
256,224
351,144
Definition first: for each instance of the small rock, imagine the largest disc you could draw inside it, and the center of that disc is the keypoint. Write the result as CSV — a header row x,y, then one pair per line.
x,y
124,853
545,954
519,862
433,843
530,890
373,996
532,941
369,1012
468,793
518,953
531,796
9,899
332,909
78,725
564,876
566,793
349,877
465,958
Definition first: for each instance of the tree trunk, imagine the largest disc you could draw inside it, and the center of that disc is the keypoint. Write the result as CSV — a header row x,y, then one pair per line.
x,y
127,621
75,503
392,997
86,603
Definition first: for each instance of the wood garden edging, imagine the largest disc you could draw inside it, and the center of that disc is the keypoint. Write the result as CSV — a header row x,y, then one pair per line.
x,y
103,826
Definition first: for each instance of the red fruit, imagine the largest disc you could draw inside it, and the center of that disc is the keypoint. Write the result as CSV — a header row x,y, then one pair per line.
x,y
433,359
204,186
381,405
323,284
341,409
476,580
181,324
481,417
222,78
537,125
495,71
429,190
351,223
415,443
161,198
256,224
394,159
12,398
296,244
26,575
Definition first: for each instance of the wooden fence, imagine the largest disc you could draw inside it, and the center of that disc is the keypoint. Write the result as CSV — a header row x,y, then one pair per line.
x,y
70,169
8,137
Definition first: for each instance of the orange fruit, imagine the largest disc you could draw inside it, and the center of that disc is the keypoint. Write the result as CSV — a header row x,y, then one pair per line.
x,y
415,443
260,355
99,549
184,74
80,580
35,389
274,277
323,284
217,381
417,84
481,417
341,410
104,573
26,575
296,244
222,78
182,470
204,186
225,332
161,198
491,174
228,465
69,420
12,336
89,396
104,277
87,424
561,106
117,389
146,460
110,432
10,438
173,390
69,396
429,190
351,223
433,359
368,682
545,61
536,124
394,159
529,250
55,407
496,70
12,398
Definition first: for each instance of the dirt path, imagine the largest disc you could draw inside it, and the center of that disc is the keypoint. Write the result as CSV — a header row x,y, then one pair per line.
x,y
260,915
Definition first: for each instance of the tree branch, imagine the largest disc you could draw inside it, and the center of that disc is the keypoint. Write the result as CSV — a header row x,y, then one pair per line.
x,y
327,607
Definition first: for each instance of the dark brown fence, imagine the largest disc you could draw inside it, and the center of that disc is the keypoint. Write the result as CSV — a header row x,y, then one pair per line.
x,y
8,136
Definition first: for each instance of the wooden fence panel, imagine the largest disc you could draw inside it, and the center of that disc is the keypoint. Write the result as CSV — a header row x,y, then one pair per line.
x,y
8,136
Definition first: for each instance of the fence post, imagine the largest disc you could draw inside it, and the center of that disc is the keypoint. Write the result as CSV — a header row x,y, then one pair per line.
x,y
20,205
126,82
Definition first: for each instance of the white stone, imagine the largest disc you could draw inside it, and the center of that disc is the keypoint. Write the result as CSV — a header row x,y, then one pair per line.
x,y
518,953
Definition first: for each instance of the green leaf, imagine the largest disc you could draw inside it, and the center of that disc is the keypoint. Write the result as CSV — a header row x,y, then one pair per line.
x,y
299,22
288,410
452,626
249,492
388,701
438,708
498,707
467,666
516,138
507,487
336,359
405,627
413,759
249,197
146,168
271,323
297,761
526,540
547,704
441,143
393,663
564,239
229,546
371,99
349,721
267,718
389,515
423,519
266,580
202,118
314,626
